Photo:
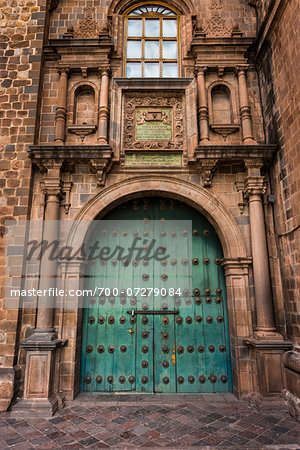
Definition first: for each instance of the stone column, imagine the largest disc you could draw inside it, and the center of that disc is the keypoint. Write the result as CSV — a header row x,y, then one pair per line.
x,y
61,109
202,104
245,111
40,384
268,345
254,188
103,106
52,188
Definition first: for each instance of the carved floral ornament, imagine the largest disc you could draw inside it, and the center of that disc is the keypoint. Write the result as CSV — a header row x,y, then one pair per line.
x,y
216,26
172,116
88,27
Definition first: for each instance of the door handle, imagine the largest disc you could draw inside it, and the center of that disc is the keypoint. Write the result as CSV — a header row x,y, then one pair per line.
x,y
148,312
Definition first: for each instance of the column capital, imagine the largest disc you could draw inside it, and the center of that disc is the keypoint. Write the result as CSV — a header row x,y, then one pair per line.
x,y
236,266
63,69
105,69
51,187
240,68
200,69
253,167
51,184
254,186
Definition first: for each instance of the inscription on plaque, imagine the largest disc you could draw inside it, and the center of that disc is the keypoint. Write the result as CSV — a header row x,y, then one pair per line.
x,y
153,159
153,124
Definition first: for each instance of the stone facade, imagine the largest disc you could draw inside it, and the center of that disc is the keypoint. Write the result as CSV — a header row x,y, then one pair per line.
x,y
66,152
278,61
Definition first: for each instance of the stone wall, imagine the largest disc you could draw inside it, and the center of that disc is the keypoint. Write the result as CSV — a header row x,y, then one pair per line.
x,y
279,69
29,95
233,12
22,26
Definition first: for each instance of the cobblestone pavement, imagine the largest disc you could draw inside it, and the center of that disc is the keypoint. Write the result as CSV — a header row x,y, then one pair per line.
x,y
205,422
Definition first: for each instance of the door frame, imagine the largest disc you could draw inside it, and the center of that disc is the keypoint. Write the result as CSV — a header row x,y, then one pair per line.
x,y
236,266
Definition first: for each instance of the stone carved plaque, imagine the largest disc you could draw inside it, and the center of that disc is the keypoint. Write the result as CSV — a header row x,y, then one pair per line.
x,y
153,159
153,122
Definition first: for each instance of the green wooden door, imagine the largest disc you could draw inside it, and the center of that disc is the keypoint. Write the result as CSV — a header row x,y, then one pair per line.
x,y
176,341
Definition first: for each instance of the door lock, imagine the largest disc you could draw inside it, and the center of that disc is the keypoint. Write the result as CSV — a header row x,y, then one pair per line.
x,y
131,330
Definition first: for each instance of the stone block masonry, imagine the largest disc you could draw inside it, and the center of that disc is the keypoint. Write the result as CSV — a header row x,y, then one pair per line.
x,y
22,25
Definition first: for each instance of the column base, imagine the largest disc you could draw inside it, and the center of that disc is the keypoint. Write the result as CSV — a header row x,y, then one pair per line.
x,y
102,141
267,334
249,141
41,396
44,408
204,141
268,353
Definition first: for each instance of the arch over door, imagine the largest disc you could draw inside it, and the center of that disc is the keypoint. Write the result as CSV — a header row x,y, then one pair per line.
x,y
184,348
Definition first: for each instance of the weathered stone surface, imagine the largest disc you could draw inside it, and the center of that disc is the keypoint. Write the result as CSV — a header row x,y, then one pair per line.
x,y
76,50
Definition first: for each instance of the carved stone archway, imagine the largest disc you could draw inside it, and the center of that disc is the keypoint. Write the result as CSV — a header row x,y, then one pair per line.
x,y
236,263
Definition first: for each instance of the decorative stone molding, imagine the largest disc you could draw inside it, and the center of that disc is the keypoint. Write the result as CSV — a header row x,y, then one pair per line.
x,y
240,189
216,26
66,190
254,186
207,167
208,156
88,27
99,156
150,100
81,130
100,168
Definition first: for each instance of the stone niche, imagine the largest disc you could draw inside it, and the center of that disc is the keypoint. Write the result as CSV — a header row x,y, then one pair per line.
x,y
82,110
154,129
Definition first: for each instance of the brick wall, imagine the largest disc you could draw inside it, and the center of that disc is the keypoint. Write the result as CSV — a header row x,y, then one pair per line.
x,y
22,25
279,69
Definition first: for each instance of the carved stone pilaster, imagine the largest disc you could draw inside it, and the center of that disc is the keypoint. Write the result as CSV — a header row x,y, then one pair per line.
x,y
245,111
202,104
240,189
66,190
103,105
61,109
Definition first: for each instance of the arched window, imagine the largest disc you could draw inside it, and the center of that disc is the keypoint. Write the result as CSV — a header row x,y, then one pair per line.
x,y
151,42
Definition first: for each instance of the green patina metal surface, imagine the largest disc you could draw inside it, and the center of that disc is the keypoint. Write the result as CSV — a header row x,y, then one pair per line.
x,y
166,352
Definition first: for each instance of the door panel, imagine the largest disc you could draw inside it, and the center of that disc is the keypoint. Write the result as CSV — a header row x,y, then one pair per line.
x,y
165,352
